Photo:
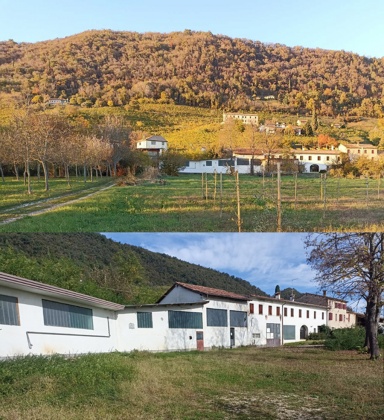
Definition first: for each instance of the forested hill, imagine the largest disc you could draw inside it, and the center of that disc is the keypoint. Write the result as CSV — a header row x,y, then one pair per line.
x,y
92,264
98,68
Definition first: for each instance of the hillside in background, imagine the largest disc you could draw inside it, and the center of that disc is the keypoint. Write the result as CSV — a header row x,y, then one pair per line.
x,y
98,68
93,264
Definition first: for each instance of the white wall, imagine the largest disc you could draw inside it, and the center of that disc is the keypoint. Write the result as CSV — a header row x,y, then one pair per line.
x,y
26,338
200,166
258,323
158,338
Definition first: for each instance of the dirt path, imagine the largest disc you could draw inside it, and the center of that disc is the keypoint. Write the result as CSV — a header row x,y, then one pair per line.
x,y
49,208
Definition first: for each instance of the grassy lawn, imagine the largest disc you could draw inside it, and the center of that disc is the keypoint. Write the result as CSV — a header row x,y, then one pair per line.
x,y
184,204
245,383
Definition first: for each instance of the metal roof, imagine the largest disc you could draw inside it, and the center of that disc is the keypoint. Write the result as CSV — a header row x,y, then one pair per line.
x,y
20,283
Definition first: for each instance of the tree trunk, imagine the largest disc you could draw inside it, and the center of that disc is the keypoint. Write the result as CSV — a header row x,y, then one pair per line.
x,y
46,175
16,168
2,173
85,173
371,328
27,177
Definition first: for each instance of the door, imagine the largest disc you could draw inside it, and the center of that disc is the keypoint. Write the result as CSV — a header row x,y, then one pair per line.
x,y
200,340
232,337
273,335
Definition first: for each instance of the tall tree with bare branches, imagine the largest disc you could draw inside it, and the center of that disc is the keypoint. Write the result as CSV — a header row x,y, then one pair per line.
x,y
352,265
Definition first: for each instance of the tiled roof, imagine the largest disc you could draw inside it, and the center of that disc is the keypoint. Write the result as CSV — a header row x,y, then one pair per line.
x,y
316,299
20,283
209,291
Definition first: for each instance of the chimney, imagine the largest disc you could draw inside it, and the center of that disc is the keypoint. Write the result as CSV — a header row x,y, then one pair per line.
x,y
277,292
292,297
324,293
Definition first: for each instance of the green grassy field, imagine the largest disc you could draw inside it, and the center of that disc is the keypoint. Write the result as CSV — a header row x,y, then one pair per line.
x,y
244,383
187,204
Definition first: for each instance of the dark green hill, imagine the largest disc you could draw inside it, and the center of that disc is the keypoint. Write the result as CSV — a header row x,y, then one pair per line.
x,y
91,263
100,68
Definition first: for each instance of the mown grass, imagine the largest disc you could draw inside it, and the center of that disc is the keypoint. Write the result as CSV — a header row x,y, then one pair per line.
x,y
245,383
182,204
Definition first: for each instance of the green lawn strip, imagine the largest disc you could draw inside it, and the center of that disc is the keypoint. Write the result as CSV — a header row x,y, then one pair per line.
x,y
185,204
240,383
14,194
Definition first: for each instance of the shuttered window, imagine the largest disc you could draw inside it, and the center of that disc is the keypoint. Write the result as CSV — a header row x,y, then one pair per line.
x,y
63,315
238,318
217,317
144,320
180,319
8,310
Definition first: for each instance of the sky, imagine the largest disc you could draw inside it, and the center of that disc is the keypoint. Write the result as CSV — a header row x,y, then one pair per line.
x,y
350,25
263,259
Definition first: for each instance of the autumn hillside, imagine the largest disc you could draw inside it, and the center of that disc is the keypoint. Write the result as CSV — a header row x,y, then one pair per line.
x,y
99,68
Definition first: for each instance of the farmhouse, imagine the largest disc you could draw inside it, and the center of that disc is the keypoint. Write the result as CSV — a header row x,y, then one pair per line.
x,y
37,318
339,316
154,145
355,151
318,159
245,118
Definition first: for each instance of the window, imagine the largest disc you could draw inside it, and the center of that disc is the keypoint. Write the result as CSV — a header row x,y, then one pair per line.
x,y
340,317
260,309
307,313
301,158
217,317
153,143
330,316
180,319
242,162
322,315
285,312
208,163
318,157
144,320
269,310
238,318
289,332
292,312
277,310
299,313
63,315
314,314
327,158
251,308
8,310
309,157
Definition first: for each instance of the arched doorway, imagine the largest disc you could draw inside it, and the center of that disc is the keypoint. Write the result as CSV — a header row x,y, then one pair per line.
x,y
314,168
303,332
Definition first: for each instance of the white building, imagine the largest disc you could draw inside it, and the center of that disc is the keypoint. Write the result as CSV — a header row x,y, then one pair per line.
x,y
154,145
244,118
210,166
318,159
37,318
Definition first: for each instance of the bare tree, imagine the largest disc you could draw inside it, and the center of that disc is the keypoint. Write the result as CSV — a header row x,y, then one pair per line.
x,y
352,264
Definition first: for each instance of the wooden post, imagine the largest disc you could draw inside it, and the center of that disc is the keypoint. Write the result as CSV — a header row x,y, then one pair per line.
x,y
278,197
221,194
295,189
378,187
202,184
215,184
206,186
238,202
367,186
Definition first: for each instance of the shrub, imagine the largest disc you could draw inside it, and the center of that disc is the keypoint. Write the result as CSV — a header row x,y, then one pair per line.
x,y
346,339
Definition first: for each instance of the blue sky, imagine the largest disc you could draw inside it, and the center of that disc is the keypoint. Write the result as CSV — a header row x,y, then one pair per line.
x,y
350,25
263,259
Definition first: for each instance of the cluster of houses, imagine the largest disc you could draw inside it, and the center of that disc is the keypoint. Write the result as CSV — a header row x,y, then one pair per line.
x,y
242,160
40,319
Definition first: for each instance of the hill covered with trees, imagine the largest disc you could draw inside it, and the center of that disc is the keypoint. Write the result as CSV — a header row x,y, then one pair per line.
x,y
92,264
99,68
